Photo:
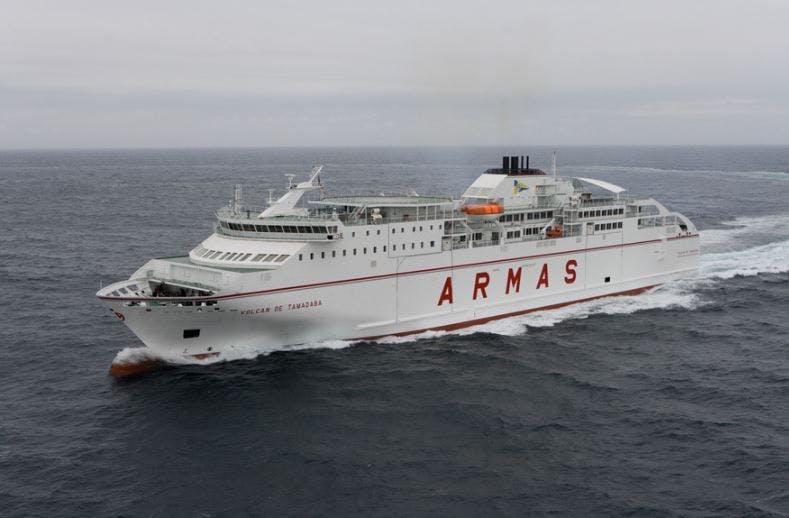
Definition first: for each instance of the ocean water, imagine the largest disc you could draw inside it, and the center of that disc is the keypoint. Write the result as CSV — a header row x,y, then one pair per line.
x,y
675,402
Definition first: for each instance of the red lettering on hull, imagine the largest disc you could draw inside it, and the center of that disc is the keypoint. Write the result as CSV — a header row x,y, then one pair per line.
x,y
446,292
570,269
543,281
514,280
480,284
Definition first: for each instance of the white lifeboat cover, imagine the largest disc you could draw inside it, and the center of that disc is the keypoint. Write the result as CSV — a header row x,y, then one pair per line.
x,y
603,185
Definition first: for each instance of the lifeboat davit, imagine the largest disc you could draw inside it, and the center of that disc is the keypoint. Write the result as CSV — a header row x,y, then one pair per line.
x,y
482,209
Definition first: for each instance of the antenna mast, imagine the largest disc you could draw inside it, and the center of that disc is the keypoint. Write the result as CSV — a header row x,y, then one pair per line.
x,y
553,164
237,193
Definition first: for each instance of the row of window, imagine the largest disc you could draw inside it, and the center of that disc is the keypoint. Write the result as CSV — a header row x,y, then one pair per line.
x,y
602,212
522,216
132,288
364,250
240,256
413,229
530,231
394,230
608,226
291,229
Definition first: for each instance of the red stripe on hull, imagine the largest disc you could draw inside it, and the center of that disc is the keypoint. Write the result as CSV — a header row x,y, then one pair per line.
x,y
479,321
383,276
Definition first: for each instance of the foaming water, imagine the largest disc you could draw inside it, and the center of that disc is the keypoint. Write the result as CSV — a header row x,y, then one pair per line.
x,y
132,361
743,232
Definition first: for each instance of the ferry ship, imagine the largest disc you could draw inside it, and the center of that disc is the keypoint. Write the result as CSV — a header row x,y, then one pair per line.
x,y
362,267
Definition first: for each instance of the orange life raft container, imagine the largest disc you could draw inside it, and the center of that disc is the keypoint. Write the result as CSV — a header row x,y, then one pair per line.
x,y
481,209
554,232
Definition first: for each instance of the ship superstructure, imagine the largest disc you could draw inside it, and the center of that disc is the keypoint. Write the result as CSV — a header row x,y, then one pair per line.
x,y
356,267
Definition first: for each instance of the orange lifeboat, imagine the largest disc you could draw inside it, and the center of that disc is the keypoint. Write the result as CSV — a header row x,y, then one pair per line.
x,y
554,232
482,209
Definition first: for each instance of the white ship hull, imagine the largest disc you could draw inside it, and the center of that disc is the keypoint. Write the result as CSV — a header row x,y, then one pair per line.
x,y
367,297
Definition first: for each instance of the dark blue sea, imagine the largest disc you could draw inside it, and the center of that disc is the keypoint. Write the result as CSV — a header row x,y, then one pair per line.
x,y
675,402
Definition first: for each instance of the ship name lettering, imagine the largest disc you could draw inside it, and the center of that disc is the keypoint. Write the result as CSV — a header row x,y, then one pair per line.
x,y
514,280
570,269
513,285
304,305
283,307
446,292
480,284
543,280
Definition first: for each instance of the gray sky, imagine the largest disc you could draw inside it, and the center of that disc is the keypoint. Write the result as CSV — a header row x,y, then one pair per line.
x,y
335,72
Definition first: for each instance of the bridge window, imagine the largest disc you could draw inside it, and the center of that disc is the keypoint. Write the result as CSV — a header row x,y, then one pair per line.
x,y
354,251
344,252
384,248
312,256
271,257
375,249
323,255
364,250
301,257
246,256
432,244
334,253
282,258
191,333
